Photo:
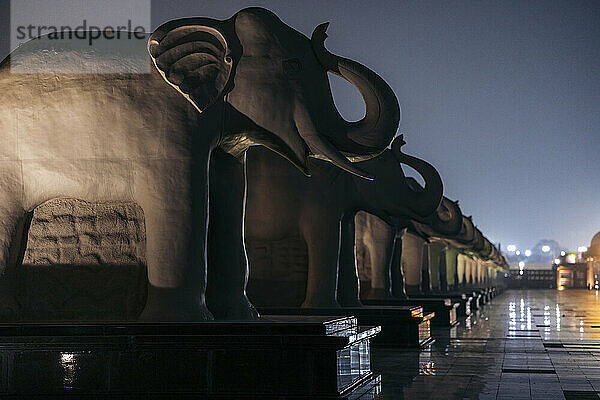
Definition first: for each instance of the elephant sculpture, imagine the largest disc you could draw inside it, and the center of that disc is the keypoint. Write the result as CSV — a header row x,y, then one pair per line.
x,y
445,223
319,211
162,137
386,276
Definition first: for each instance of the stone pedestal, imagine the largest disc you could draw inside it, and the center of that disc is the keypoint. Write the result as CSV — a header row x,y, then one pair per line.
x,y
402,326
477,302
464,310
463,300
444,309
316,357
484,295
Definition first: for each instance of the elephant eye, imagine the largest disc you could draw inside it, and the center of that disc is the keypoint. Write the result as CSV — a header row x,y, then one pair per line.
x,y
292,67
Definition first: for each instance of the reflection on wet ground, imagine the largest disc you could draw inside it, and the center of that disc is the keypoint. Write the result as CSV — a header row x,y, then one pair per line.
x,y
524,344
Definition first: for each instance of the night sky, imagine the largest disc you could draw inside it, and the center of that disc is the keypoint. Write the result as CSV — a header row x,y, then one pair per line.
x,y
502,97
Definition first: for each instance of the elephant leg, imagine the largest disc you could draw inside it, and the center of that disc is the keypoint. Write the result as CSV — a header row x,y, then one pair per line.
x,y
426,271
227,261
13,242
443,272
397,276
322,236
173,195
348,294
14,223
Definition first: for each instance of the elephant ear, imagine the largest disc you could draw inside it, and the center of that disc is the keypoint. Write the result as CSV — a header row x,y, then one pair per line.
x,y
194,56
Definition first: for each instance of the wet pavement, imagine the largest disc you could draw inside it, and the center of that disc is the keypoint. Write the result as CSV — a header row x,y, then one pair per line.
x,y
524,344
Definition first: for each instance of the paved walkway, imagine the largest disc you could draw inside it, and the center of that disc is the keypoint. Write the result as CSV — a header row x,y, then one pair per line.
x,y
524,344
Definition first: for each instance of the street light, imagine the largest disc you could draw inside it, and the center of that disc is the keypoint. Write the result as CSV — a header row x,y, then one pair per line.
x,y
545,248
521,266
527,253
511,247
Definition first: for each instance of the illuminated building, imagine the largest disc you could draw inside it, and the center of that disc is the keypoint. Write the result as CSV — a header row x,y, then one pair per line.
x,y
534,267
571,272
592,258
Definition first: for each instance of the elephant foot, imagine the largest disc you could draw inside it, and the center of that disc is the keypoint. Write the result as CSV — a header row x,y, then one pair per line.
x,y
234,308
173,305
9,306
354,302
320,304
379,294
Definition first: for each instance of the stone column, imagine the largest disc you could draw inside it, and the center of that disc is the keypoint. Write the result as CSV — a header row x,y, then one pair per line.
x,y
412,262
436,260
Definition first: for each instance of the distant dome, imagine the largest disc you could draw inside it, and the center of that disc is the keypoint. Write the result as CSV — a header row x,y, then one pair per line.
x,y
594,249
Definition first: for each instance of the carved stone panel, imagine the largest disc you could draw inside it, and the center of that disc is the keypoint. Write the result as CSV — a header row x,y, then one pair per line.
x,y
84,261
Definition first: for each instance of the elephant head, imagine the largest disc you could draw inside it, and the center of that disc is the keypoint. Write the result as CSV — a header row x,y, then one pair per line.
x,y
479,242
271,81
465,238
393,191
444,222
486,252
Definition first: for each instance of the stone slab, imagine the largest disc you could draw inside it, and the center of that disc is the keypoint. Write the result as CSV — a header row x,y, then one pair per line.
x,y
402,326
444,309
218,359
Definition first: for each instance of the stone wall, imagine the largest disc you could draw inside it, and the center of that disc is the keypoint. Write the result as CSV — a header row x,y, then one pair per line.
x,y
84,261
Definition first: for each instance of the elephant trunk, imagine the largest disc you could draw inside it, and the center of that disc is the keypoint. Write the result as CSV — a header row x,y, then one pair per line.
x,y
422,201
371,135
466,236
320,146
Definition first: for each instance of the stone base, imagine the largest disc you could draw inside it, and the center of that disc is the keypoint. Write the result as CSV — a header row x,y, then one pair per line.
x,y
487,295
444,309
463,299
316,357
477,301
403,326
